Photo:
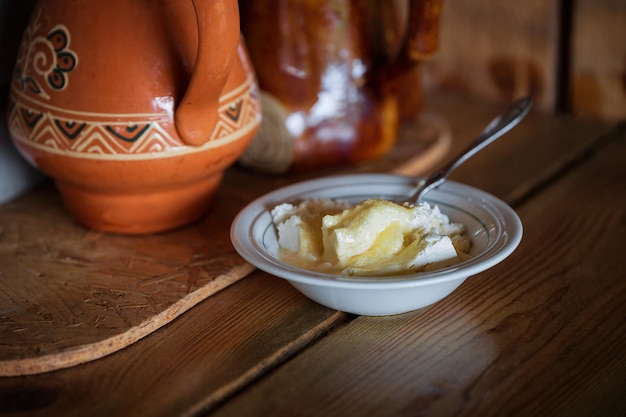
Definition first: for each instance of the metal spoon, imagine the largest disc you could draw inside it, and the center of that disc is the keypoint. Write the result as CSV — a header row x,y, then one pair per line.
x,y
498,126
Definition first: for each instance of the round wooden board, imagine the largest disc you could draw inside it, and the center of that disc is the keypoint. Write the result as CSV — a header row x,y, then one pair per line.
x,y
69,295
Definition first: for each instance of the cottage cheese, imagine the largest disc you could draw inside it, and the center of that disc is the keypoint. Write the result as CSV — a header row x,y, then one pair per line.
x,y
375,237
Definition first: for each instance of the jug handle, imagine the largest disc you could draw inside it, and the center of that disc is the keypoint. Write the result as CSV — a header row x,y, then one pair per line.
x,y
423,31
218,38
420,41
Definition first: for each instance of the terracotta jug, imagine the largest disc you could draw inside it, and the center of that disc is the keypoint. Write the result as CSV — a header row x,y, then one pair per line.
x,y
134,107
337,76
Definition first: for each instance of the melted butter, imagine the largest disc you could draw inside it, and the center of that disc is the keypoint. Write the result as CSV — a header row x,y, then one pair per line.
x,y
374,237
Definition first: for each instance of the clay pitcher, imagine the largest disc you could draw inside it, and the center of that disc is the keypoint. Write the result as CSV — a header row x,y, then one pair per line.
x,y
134,107
337,76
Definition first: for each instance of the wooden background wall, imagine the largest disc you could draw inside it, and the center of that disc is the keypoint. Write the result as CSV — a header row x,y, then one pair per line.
x,y
569,54
598,78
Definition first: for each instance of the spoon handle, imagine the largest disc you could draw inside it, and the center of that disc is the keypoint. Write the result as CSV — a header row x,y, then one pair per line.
x,y
496,128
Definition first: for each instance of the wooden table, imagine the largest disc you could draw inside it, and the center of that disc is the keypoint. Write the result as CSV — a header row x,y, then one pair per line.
x,y
541,334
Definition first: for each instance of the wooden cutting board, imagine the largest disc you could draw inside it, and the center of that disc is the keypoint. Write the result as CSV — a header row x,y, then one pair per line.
x,y
69,295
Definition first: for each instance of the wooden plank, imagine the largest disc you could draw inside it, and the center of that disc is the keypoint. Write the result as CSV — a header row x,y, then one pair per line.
x,y
555,143
598,79
239,334
555,146
225,343
497,50
540,334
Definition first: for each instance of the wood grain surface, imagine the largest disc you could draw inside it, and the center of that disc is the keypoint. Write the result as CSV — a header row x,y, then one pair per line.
x,y
543,326
540,334
598,67
70,295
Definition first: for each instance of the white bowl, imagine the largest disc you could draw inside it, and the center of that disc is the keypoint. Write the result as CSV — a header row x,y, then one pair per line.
x,y
493,227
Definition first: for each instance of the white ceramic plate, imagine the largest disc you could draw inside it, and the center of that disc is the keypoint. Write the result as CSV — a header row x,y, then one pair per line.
x,y
493,227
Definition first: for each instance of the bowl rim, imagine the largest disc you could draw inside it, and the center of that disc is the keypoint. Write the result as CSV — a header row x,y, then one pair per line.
x,y
245,243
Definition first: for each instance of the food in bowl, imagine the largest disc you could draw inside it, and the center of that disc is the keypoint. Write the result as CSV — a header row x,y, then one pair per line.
x,y
493,227
373,237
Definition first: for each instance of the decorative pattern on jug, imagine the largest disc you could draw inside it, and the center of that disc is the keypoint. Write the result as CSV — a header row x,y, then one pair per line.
x,y
128,136
44,61
44,67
